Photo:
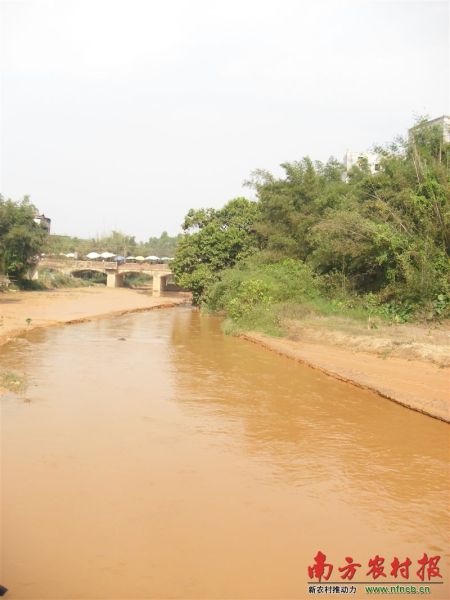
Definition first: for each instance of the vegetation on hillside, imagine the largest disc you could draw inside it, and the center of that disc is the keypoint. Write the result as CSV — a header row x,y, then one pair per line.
x,y
372,242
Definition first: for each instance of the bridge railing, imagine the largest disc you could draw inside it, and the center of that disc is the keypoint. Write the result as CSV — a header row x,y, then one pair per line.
x,y
143,267
77,265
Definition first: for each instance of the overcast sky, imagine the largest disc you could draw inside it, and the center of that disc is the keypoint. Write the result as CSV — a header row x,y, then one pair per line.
x,y
123,115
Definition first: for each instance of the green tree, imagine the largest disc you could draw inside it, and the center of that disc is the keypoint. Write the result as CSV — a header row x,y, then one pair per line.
x,y
385,234
386,231
118,243
214,240
165,245
290,206
20,237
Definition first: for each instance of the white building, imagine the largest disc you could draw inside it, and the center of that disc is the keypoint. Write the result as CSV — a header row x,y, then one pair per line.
x,y
353,158
43,221
373,159
442,122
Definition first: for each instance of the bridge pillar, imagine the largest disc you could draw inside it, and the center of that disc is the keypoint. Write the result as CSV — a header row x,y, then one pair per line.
x,y
159,283
113,279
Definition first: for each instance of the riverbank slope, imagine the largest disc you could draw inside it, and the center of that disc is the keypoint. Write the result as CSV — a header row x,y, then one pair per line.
x,y
416,375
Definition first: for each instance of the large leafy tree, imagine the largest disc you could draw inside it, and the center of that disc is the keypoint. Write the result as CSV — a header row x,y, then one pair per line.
x,y
20,237
291,205
214,240
391,233
385,232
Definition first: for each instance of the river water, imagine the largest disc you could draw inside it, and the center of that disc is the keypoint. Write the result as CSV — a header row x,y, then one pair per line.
x,y
153,457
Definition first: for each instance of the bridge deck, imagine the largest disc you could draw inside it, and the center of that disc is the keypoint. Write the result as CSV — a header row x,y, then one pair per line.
x,y
103,265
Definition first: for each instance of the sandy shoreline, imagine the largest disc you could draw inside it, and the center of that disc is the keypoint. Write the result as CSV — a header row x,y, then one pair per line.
x,y
23,311
416,384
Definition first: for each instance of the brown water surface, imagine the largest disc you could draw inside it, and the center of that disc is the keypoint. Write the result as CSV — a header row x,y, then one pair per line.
x,y
180,463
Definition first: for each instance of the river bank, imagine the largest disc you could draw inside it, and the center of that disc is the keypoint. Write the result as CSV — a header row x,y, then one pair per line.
x,y
419,382
184,463
23,311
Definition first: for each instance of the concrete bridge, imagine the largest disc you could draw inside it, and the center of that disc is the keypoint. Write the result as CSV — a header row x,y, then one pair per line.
x,y
114,271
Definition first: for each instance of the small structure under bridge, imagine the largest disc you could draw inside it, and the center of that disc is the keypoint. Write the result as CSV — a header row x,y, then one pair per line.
x,y
114,271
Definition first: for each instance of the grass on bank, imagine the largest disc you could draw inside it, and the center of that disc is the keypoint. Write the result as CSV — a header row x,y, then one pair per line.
x,y
50,280
266,297
137,280
12,382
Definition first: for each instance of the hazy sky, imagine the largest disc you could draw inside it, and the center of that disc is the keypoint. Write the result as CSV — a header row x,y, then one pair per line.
x,y
123,115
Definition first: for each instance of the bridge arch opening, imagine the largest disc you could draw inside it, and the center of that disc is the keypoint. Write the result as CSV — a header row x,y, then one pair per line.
x,y
170,285
135,279
91,276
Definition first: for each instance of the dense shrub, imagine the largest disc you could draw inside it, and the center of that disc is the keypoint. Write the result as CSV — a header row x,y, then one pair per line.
x,y
374,243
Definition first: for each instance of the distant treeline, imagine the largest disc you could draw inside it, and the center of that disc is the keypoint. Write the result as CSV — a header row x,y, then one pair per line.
x,y
119,243
375,240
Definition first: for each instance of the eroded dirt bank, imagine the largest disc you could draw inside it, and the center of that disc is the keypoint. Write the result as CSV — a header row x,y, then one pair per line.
x,y
23,311
420,385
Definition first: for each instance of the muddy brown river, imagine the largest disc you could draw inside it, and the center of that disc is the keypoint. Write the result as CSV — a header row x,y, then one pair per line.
x,y
153,457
